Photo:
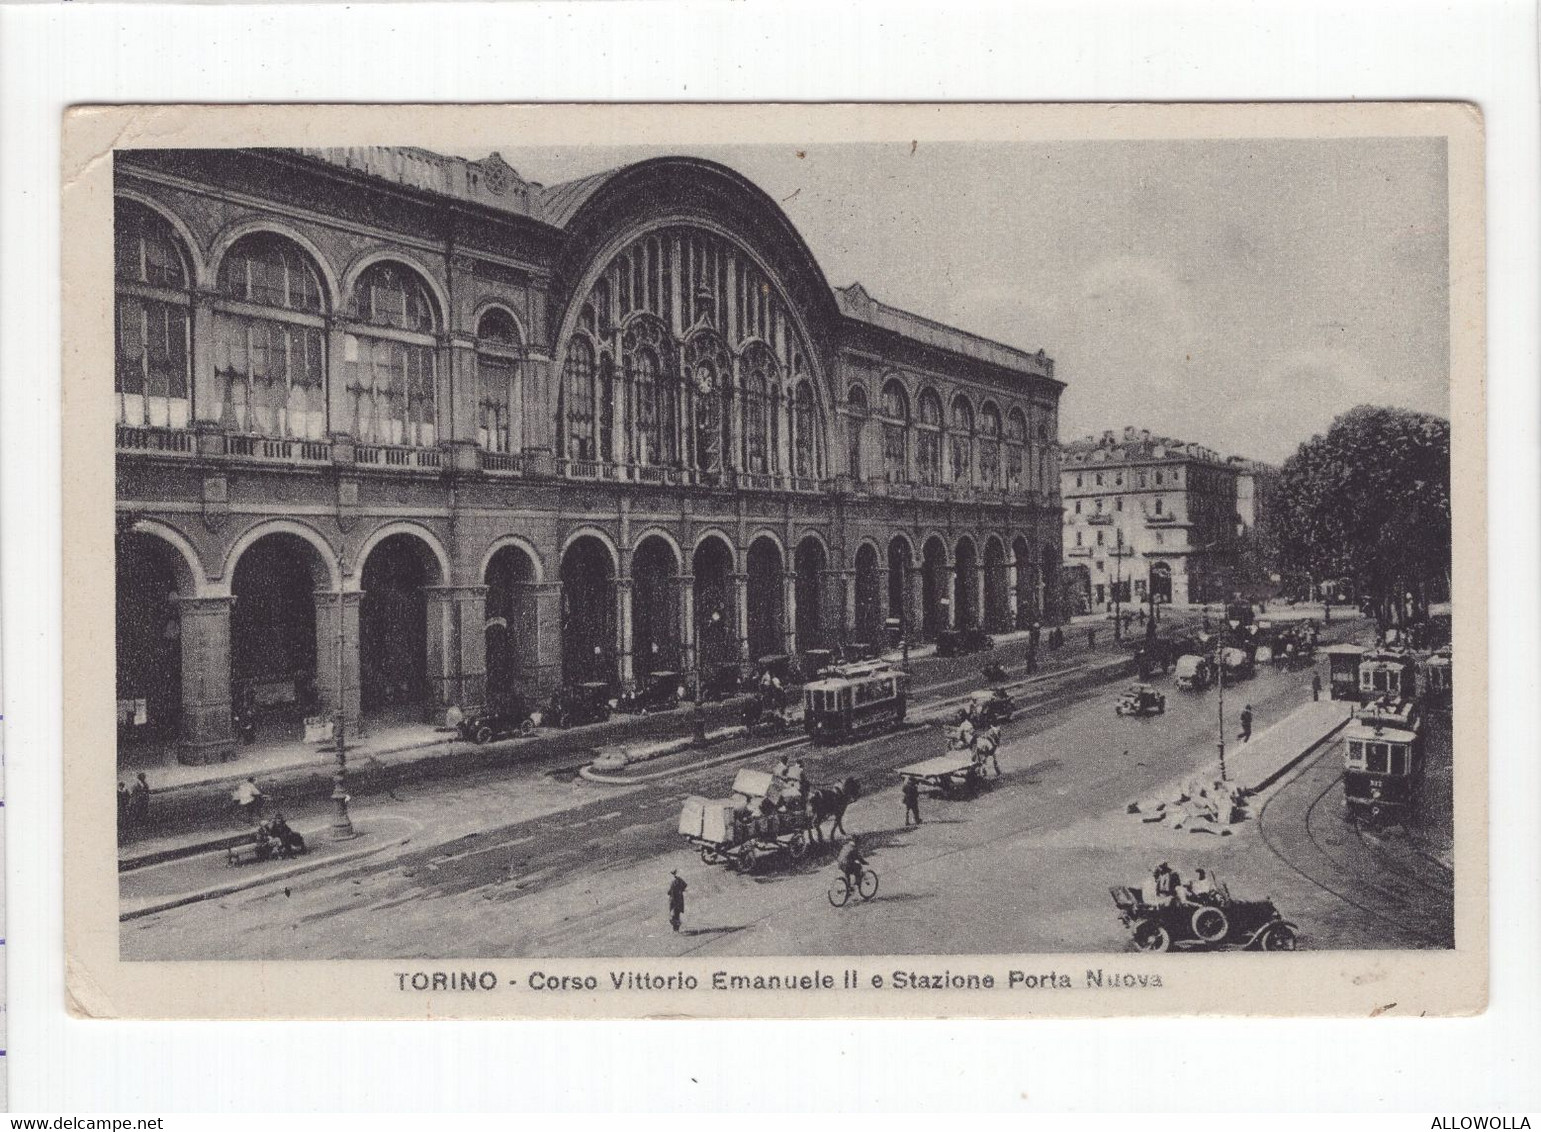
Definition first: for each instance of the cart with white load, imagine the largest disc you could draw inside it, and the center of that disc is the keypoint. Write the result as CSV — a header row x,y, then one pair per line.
x,y
767,815
956,772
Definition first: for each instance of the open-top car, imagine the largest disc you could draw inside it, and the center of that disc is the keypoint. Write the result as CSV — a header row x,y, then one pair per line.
x,y
659,691
1212,921
1140,699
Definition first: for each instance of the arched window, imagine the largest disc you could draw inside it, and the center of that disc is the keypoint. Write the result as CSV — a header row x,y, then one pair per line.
x,y
760,378
805,452
498,377
928,439
577,442
270,340
153,370
855,424
710,369
392,358
896,425
990,445
655,393
962,437
1016,448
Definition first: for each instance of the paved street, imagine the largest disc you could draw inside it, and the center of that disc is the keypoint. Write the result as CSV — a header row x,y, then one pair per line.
x,y
536,861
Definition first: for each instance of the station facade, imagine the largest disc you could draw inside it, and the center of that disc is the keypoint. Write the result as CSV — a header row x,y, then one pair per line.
x,y
398,431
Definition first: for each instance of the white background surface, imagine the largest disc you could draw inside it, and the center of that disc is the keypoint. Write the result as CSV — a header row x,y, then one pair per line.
x,y
53,56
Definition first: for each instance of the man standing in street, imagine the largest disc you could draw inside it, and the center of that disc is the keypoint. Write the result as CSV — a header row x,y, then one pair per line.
x,y
1246,724
248,799
911,794
1316,686
139,802
676,899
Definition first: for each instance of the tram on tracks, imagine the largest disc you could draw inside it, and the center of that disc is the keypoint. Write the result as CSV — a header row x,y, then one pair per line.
x,y
853,699
1383,759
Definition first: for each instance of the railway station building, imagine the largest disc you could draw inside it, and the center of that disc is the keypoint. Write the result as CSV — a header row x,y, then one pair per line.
x,y
398,431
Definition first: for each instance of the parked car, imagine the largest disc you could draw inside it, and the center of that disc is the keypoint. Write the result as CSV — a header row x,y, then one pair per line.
x,y
663,690
507,715
576,704
721,683
961,642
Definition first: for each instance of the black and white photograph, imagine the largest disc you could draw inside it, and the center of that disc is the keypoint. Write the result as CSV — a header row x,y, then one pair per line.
x,y
691,555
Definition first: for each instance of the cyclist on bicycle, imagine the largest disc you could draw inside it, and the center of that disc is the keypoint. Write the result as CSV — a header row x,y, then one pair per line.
x,y
850,861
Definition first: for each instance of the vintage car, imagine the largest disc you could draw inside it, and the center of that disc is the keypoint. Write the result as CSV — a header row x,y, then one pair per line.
x,y
1237,664
1140,699
961,642
721,683
663,690
507,715
576,704
1193,673
780,666
1209,922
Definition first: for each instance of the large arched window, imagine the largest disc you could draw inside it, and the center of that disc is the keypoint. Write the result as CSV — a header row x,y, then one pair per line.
x,y
990,445
928,439
655,393
1016,448
270,340
153,370
710,370
896,425
392,358
498,382
760,378
578,403
805,442
962,437
855,425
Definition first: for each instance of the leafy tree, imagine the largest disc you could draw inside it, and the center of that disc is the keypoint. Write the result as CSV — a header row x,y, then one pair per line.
x,y
1370,502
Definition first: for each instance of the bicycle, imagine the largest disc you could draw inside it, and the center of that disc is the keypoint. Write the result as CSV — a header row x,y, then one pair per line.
x,y
840,888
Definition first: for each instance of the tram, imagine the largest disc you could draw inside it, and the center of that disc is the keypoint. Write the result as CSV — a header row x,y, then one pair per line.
x,y
1383,674
1383,759
1343,671
854,698
1438,683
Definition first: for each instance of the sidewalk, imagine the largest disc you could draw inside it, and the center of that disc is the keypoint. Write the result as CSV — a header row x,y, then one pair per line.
x,y
1259,763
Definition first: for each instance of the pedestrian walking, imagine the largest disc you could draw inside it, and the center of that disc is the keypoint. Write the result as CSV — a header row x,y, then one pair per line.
x,y
123,800
911,794
139,801
248,799
1316,685
1246,724
1091,640
677,888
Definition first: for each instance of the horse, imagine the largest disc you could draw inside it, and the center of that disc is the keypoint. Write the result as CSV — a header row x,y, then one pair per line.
x,y
826,802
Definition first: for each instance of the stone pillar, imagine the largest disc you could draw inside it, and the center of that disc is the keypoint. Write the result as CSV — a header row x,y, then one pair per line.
x,y
205,391
741,616
623,632
689,641
981,614
789,611
1013,603
539,408
953,590
457,645
336,687
539,648
883,611
205,632
838,597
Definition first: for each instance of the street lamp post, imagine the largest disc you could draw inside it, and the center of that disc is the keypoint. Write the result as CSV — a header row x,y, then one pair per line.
x,y
1220,676
342,823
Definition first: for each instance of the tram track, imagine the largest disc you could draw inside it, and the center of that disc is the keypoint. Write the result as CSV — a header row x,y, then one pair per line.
x,y
1297,833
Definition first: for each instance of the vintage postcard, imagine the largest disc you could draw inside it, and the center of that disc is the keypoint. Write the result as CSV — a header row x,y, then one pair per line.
x,y
780,560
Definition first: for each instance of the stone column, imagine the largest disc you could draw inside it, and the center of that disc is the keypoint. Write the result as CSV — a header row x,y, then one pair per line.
x,y
205,633
1013,603
334,686
457,645
539,415
623,631
741,616
953,590
687,630
883,611
981,615
539,643
789,611
839,599
205,390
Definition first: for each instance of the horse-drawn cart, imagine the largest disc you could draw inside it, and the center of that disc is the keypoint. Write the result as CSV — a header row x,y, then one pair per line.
x,y
766,815
956,772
